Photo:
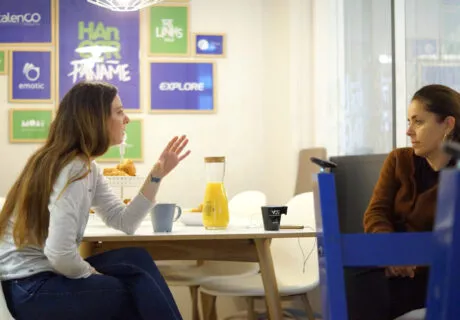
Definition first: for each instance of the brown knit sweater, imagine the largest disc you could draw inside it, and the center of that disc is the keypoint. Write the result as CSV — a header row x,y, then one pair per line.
x,y
404,197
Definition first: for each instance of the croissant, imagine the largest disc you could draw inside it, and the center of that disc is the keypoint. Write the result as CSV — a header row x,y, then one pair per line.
x,y
114,172
128,167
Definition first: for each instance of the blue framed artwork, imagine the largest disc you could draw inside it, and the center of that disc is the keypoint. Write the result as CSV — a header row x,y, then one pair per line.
x,y
26,22
209,45
182,87
31,76
447,74
102,45
426,48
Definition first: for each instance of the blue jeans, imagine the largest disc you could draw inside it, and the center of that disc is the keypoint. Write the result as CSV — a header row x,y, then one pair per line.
x,y
130,287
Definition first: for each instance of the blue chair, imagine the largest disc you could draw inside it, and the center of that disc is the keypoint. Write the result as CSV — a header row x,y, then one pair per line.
x,y
337,250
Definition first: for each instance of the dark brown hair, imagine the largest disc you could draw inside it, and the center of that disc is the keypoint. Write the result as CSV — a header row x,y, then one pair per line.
x,y
442,101
78,130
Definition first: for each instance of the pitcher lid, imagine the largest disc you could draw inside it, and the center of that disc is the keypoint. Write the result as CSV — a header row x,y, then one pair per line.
x,y
214,159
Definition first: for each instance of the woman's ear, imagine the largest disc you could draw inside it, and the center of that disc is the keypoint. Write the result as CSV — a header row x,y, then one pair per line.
x,y
450,124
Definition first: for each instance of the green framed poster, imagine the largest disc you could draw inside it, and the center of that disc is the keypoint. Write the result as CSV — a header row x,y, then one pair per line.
x,y
134,144
3,62
169,30
29,125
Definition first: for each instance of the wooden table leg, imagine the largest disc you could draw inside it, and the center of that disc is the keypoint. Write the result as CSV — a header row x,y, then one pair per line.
x,y
267,272
86,249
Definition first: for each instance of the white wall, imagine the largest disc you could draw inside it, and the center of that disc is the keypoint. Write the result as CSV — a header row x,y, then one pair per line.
x,y
265,108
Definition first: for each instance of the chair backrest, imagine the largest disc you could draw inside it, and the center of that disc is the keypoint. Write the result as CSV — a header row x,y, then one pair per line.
x,y
444,283
337,250
245,206
355,178
4,312
296,259
306,169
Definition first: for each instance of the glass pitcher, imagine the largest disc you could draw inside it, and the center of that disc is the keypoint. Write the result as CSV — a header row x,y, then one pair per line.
x,y
215,204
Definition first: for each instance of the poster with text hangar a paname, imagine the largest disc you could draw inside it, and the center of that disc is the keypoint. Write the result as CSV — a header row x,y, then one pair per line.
x,y
98,44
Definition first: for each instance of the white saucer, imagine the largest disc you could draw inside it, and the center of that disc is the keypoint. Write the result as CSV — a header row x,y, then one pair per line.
x,y
191,218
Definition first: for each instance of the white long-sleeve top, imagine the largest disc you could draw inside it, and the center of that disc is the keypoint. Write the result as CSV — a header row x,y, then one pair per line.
x,y
69,212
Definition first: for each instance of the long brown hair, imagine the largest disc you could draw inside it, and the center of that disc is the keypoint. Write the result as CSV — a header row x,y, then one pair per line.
x,y
78,130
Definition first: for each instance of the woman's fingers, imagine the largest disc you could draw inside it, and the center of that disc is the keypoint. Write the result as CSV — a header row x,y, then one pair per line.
x,y
181,146
170,144
177,144
185,155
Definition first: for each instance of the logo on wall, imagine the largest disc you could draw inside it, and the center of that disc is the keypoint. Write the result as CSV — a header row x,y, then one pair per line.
x,y
210,45
204,45
168,31
26,21
31,72
99,45
32,123
30,76
29,125
99,54
182,86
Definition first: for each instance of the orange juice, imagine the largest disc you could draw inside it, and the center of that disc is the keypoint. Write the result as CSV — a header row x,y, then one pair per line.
x,y
215,206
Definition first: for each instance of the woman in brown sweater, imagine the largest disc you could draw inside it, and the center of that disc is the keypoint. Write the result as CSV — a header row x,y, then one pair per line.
x,y
404,200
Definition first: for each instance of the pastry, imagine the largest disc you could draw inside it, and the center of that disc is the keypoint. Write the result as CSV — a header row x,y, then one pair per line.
x,y
114,172
128,167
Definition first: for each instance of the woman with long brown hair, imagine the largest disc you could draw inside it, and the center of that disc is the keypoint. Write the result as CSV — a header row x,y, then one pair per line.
x,y
46,211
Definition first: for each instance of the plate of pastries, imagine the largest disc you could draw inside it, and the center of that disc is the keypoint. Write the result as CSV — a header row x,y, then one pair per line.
x,y
124,169
123,174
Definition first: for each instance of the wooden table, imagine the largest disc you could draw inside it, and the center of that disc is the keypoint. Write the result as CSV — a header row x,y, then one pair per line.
x,y
236,243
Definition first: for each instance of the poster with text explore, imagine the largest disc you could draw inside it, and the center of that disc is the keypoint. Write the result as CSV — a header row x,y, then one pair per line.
x,y
182,87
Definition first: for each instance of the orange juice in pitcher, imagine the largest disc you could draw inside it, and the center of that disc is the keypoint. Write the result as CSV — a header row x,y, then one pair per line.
x,y
215,204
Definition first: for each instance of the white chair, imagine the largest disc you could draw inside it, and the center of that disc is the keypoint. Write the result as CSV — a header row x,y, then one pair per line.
x,y
4,312
418,314
295,261
242,207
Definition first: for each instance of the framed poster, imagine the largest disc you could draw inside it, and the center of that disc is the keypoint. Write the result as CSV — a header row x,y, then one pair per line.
x,y
134,144
3,61
169,30
182,87
29,125
426,48
209,45
99,44
31,77
27,22
447,74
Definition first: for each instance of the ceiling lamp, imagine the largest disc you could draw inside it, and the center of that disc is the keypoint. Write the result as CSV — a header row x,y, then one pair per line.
x,y
124,5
